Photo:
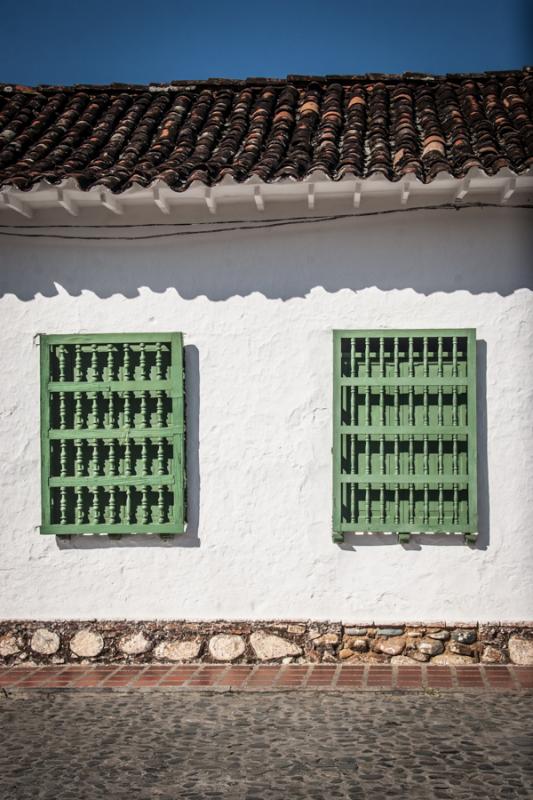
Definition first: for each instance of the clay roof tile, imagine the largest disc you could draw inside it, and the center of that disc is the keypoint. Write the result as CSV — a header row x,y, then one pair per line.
x,y
189,131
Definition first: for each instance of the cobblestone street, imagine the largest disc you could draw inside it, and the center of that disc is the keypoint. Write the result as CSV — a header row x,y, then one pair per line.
x,y
86,745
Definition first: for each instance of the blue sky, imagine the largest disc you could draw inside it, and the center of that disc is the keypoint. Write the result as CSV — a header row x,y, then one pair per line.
x,y
92,41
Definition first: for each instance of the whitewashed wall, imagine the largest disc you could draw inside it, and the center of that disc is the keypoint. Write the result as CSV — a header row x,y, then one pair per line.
x,y
257,310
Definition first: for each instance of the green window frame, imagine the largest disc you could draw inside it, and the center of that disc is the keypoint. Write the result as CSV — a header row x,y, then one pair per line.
x,y
404,449
112,434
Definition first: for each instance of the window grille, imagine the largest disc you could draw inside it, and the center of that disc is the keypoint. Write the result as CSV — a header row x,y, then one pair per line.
x,y
404,453
112,434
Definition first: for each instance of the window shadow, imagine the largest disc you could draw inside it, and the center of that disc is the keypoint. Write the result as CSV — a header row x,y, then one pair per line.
x,y
192,426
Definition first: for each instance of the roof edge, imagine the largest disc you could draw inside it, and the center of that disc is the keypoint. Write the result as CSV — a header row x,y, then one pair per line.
x,y
235,83
504,188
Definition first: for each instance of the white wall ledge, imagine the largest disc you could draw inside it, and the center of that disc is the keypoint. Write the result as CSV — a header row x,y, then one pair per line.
x,y
311,196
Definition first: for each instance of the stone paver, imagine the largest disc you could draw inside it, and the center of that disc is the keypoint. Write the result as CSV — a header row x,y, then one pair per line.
x,y
197,745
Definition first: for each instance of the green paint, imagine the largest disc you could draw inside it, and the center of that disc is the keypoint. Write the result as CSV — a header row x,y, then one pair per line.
x,y
404,447
112,434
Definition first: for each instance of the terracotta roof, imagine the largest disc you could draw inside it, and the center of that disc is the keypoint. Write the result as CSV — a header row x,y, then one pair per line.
x,y
343,126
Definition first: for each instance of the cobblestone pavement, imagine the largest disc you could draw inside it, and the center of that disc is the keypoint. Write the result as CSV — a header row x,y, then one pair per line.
x,y
87,745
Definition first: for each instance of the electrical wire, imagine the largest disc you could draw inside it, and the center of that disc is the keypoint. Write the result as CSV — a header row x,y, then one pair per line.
x,y
165,224
444,206
228,226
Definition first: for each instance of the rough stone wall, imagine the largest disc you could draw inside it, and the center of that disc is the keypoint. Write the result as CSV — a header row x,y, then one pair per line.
x,y
263,642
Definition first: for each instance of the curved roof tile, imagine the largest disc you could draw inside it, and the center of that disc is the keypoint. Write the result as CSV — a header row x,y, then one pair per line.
x,y
116,136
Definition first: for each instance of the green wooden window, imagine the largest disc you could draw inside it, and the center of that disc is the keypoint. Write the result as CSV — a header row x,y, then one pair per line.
x,y
404,453
112,433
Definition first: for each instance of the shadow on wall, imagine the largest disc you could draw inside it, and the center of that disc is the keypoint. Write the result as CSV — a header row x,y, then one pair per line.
x,y
192,422
474,250
354,540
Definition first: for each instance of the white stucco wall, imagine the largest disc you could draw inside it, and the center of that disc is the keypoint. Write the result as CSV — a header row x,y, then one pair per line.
x,y
257,310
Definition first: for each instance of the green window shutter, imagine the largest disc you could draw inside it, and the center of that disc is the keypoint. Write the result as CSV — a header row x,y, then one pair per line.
x,y
404,451
112,434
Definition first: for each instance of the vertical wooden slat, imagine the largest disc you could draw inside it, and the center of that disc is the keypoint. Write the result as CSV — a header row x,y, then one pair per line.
x,y
368,443
112,489
94,362
177,391
111,410
78,412
110,377
353,419
440,439
336,465
471,363
95,410
128,508
144,505
110,362
161,463
126,377
45,428
128,467
79,505
161,505
77,364
425,457
78,444
61,352
112,508
455,422
159,393
96,505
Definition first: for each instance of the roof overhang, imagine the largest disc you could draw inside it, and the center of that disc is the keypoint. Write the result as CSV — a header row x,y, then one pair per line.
x,y
317,193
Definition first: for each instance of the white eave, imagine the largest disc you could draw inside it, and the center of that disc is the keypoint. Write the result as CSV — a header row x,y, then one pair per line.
x,y
315,195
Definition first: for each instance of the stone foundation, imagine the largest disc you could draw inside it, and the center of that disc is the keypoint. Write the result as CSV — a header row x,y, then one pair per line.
x,y
263,642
